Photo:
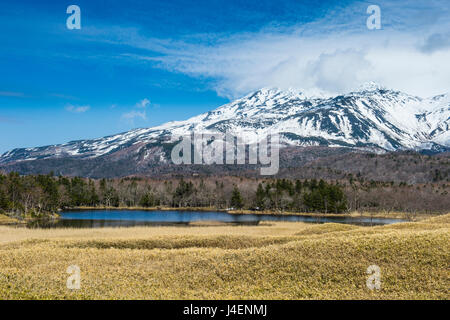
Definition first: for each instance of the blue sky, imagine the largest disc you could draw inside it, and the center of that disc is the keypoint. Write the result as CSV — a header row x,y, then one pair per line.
x,y
142,63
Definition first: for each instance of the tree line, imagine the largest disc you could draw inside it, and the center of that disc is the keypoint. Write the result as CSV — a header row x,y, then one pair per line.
x,y
42,195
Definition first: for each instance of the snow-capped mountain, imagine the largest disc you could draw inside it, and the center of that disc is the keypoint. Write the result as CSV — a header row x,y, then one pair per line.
x,y
372,117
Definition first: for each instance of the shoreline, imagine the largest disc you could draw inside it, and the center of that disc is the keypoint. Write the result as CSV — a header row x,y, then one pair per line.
x,y
6,220
354,214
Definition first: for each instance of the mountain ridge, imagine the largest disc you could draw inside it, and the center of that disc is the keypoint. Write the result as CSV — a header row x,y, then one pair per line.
x,y
373,118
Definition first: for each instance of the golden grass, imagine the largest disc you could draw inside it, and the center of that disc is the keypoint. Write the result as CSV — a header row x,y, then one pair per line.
x,y
270,261
5,220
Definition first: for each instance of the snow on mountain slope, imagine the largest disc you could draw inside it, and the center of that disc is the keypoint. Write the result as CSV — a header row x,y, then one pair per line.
x,y
372,117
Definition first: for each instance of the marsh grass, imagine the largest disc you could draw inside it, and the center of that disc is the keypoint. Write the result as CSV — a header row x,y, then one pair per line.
x,y
271,261
5,220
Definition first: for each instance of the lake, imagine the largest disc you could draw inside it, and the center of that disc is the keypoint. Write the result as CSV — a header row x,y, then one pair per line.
x,y
130,218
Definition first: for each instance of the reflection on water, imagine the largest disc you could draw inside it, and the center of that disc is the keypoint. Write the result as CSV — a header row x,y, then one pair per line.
x,y
132,218
90,223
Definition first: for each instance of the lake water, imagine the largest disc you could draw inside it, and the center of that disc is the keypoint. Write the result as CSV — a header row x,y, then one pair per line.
x,y
130,218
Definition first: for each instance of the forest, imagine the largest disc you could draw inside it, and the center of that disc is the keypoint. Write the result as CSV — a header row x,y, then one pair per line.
x,y
44,195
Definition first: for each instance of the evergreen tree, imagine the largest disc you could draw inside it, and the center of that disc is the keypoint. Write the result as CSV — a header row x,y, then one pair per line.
x,y
183,191
93,196
236,199
324,197
148,200
260,197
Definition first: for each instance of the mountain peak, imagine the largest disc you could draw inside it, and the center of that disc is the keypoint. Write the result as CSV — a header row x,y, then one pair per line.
x,y
292,92
371,86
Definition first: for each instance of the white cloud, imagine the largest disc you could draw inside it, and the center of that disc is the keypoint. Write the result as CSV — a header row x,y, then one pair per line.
x,y
335,63
140,112
335,53
77,109
143,104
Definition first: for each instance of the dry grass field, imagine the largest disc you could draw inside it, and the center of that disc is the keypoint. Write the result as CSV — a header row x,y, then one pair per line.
x,y
269,261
